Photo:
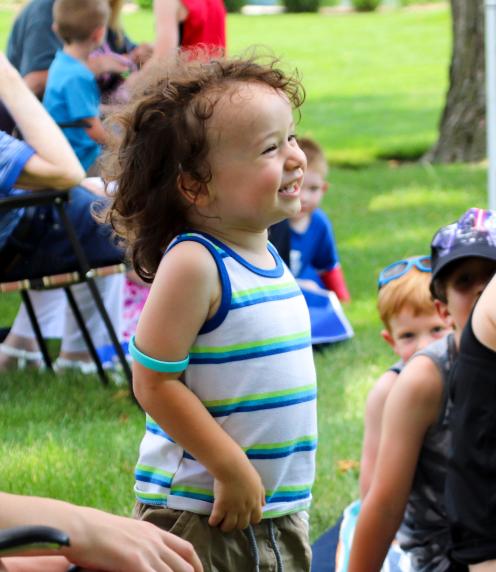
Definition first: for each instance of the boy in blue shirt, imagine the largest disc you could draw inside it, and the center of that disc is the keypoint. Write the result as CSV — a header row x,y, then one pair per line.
x,y
72,96
313,253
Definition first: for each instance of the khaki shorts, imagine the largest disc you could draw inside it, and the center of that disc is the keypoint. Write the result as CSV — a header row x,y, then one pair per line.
x,y
284,539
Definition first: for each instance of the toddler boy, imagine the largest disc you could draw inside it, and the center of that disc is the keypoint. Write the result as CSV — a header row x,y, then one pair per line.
x,y
313,253
72,96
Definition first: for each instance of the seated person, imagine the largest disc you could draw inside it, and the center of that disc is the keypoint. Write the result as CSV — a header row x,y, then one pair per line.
x,y
32,242
411,323
32,45
406,495
98,540
72,95
313,253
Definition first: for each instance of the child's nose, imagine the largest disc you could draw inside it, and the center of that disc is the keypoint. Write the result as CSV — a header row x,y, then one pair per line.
x,y
296,159
424,340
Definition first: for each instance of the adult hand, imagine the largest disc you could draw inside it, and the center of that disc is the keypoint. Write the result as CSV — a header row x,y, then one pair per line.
x,y
141,54
118,544
238,500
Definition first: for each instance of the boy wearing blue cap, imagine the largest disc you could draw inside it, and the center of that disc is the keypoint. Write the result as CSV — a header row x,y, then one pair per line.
x,y
407,488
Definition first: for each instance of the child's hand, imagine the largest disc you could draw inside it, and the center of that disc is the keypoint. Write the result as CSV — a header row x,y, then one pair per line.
x,y
107,63
238,500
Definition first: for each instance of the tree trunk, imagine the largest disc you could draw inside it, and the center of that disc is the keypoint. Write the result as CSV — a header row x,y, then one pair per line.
x,y
462,129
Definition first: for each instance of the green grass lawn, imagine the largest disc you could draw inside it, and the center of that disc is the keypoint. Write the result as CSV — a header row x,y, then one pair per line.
x,y
375,86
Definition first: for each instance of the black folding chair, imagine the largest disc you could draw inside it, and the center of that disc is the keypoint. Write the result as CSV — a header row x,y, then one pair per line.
x,y
82,273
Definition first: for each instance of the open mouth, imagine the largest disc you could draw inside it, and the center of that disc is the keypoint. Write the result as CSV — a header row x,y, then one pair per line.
x,y
289,190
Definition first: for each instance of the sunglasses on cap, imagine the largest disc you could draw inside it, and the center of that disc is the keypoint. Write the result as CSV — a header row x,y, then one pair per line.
x,y
401,267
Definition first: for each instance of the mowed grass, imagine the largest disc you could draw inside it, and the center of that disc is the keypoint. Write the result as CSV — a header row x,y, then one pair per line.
x,y
375,86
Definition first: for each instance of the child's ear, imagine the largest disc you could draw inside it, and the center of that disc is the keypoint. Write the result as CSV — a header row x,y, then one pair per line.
x,y
55,28
325,187
444,313
388,338
192,190
98,35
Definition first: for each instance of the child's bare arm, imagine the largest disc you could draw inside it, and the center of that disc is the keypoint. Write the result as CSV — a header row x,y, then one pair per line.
x,y
411,408
484,318
185,292
372,430
95,130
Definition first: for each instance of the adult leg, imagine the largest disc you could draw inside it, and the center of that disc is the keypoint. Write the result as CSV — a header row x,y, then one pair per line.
x,y
111,289
20,344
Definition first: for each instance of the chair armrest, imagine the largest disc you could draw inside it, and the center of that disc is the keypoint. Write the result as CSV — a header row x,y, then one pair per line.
x,y
33,199
25,537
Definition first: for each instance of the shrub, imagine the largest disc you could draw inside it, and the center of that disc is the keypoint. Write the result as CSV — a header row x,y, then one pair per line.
x,y
365,5
145,4
301,5
234,5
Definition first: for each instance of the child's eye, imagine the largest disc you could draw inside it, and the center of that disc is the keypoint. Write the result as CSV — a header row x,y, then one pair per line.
x,y
438,329
292,137
463,281
407,336
269,149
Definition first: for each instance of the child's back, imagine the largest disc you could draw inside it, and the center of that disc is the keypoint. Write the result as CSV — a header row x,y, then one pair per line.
x,y
72,96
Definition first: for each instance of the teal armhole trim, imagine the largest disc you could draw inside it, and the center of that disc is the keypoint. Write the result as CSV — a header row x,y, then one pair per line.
x,y
155,364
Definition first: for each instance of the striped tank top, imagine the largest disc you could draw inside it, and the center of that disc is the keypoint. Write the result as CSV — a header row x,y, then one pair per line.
x,y
252,367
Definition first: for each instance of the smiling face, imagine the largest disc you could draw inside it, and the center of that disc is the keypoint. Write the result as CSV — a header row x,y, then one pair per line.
x,y
409,332
256,164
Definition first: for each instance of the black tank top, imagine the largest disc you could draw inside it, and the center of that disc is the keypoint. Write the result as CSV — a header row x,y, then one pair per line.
x,y
470,484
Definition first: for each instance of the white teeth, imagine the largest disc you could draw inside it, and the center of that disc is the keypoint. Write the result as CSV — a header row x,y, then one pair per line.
x,y
289,189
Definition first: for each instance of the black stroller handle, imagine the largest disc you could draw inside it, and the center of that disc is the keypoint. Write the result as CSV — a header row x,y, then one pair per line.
x,y
31,537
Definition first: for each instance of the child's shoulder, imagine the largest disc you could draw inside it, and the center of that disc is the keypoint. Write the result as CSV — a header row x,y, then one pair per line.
x,y
67,69
380,390
420,387
192,257
320,217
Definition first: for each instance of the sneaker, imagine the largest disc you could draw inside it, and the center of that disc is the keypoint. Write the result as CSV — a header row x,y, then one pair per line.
x,y
85,367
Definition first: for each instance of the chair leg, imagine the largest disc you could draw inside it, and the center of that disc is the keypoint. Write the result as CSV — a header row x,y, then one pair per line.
x,y
36,328
86,335
110,330
85,271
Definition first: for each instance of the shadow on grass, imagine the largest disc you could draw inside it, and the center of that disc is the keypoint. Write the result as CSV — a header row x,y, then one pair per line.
x,y
360,130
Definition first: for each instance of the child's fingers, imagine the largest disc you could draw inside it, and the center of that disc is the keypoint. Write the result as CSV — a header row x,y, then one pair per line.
x,y
230,522
243,521
216,516
256,515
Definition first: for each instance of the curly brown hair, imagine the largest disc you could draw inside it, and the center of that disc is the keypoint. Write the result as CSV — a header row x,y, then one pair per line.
x,y
161,134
